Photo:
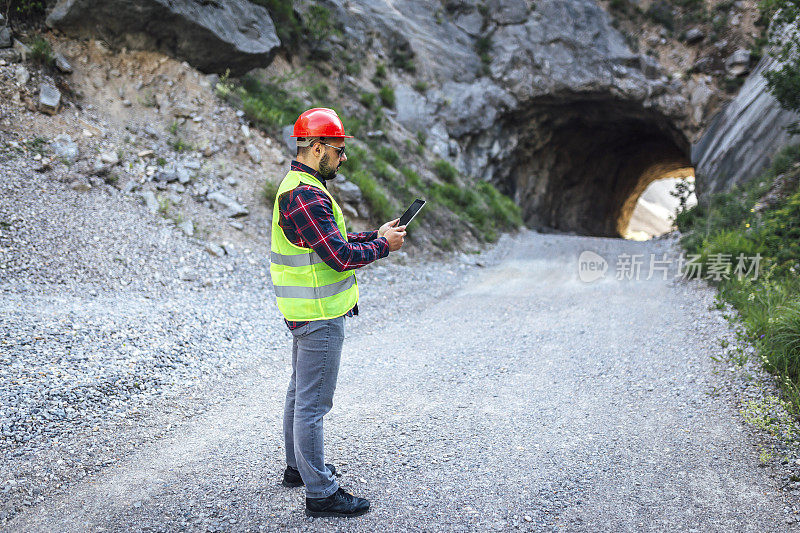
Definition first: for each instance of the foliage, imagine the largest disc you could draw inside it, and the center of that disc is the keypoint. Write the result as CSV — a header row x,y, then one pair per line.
x,y
268,192
387,96
380,206
445,171
660,12
319,25
25,9
388,155
266,104
769,303
287,25
41,51
784,37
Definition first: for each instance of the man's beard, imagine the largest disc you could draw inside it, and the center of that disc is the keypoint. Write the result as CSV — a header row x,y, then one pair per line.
x,y
327,171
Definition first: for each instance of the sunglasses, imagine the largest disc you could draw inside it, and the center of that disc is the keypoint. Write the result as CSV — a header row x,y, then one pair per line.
x,y
339,149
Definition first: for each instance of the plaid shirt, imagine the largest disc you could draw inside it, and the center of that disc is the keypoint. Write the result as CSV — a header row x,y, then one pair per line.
x,y
306,217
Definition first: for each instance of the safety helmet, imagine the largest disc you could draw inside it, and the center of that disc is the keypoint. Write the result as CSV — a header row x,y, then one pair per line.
x,y
319,122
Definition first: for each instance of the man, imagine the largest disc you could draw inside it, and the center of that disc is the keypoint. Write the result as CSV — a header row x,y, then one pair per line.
x,y
312,268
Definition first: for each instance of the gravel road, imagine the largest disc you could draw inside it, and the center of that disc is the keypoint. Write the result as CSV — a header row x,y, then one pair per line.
x,y
507,395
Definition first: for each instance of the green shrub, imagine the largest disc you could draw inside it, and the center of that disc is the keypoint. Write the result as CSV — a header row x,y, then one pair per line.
x,y
445,171
25,9
784,83
387,96
41,51
287,26
380,71
268,192
381,209
421,86
368,100
388,155
267,104
412,178
660,12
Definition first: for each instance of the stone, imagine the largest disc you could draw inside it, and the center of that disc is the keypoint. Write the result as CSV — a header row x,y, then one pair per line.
x,y
232,208
215,36
694,35
185,274
187,227
150,201
49,99
348,191
738,63
9,55
236,224
22,49
288,140
254,153
5,37
62,64
130,187
184,176
65,148
21,75
109,158
215,249
80,185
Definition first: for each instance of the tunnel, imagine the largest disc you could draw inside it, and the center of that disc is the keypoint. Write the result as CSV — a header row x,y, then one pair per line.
x,y
581,165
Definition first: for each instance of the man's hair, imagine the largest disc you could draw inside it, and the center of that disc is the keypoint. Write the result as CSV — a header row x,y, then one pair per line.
x,y
304,144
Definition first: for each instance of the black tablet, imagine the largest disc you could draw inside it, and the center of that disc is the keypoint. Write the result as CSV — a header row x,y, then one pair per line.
x,y
411,212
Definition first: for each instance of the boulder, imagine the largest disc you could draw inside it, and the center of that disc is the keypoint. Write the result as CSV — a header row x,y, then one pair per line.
x,y
232,208
49,99
694,35
213,36
738,63
65,148
5,36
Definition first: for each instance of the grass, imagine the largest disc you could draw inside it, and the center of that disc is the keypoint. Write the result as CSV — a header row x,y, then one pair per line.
x,y
386,94
41,51
728,224
266,104
445,171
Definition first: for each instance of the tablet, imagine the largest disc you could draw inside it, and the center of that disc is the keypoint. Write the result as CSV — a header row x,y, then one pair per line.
x,y
411,212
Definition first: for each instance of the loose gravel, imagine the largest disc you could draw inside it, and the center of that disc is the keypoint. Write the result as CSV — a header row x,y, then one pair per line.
x,y
495,397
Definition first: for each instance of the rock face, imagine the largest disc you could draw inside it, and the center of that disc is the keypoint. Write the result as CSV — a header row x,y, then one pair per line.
x,y
741,140
212,35
559,113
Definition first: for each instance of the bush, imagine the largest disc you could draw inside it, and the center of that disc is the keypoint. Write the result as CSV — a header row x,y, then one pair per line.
x,y
41,51
381,209
387,97
267,104
784,83
287,26
25,9
268,192
445,171
660,12
388,155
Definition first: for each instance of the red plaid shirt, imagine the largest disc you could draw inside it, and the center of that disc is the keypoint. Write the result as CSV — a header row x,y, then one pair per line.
x,y
306,217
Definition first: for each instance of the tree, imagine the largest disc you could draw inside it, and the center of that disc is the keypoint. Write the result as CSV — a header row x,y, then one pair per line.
x,y
784,39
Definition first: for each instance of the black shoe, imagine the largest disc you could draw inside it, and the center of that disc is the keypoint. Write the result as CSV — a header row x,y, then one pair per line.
x,y
291,476
340,503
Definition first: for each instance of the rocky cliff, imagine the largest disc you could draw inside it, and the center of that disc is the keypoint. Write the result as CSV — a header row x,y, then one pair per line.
x,y
742,139
546,100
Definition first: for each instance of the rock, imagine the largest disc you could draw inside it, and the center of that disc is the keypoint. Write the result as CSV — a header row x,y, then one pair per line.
x,y
62,64
80,185
184,176
215,249
185,274
348,191
22,49
705,64
232,208
230,180
236,224
349,210
9,55
245,131
742,139
5,36
49,99
21,75
65,148
187,227
738,63
214,36
130,186
650,67
151,201
694,35
507,11
288,140
253,152
109,158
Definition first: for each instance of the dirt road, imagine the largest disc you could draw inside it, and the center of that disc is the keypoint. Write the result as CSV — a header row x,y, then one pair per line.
x,y
525,399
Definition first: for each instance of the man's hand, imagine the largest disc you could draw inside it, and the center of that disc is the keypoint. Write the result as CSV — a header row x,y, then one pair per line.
x,y
386,226
394,236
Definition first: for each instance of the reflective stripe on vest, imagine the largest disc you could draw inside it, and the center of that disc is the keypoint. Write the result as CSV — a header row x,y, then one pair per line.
x,y
299,260
283,291
307,288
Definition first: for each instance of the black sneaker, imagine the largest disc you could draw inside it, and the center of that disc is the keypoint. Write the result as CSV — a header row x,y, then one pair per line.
x,y
291,476
340,503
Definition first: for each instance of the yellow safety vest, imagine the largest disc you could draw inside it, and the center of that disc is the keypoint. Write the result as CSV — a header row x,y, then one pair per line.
x,y
305,286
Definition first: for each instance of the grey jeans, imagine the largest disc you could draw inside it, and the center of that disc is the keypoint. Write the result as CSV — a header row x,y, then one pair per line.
x,y
316,351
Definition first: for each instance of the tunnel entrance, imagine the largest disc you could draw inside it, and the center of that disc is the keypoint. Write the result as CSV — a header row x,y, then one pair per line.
x,y
581,165
655,209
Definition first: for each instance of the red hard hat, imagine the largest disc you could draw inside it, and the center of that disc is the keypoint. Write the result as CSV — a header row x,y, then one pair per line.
x,y
319,122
